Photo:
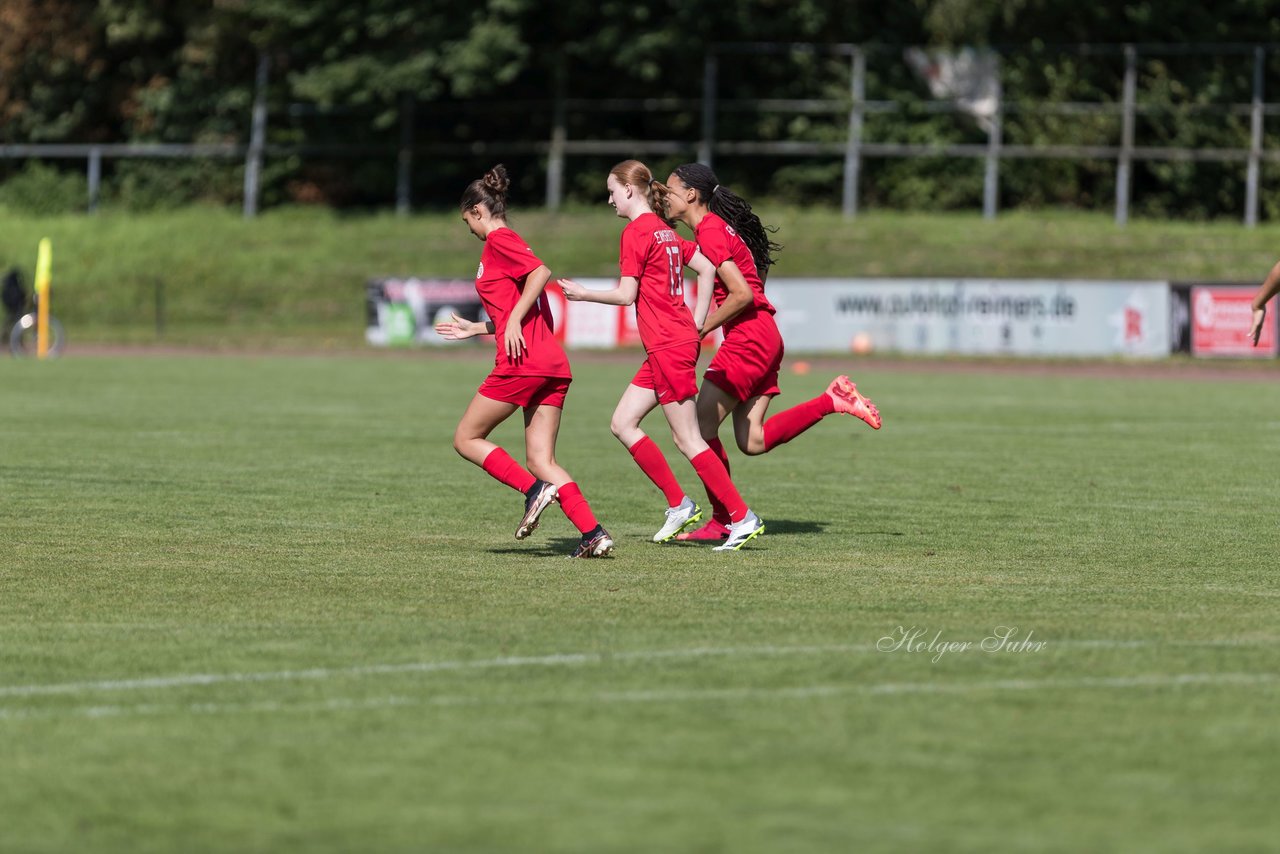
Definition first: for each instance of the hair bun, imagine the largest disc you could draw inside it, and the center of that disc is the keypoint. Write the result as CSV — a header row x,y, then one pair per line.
x,y
497,180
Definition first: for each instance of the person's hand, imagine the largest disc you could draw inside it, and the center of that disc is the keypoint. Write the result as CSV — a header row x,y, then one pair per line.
x,y
456,329
572,290
513,341
1255,331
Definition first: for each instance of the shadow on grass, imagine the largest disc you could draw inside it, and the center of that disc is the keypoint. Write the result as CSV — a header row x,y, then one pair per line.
x,y
792,526
564,546
772,527
555,547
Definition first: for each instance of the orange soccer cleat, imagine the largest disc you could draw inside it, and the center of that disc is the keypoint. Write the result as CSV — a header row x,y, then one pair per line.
x,y
844,394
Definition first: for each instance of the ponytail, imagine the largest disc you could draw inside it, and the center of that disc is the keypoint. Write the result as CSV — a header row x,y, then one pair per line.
x,y
659,200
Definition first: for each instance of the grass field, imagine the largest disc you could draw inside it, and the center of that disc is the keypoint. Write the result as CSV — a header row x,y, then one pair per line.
x,y
258,604
294,278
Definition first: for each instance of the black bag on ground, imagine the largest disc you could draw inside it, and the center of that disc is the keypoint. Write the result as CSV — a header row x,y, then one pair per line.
x,y
14,296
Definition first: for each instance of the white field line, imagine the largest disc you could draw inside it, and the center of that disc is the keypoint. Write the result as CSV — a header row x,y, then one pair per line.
x,y
675,695
1243,591
517,662
322,673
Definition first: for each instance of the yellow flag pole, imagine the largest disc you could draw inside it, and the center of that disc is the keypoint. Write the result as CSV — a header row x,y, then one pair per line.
x,y
44,263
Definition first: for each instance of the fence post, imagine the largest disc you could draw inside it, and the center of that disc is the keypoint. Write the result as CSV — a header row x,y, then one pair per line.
x,y
159,304
1126,135
853,144
995,138
559,136
404,158
95,177
257,140
706,147
1255,140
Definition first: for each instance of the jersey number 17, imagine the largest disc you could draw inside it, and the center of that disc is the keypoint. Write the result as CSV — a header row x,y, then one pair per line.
x,y
675,271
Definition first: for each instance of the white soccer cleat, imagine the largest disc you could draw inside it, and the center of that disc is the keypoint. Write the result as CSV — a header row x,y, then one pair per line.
x,y
678,518
740,533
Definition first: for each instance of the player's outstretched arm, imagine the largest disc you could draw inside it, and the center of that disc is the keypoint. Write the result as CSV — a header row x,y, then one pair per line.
x,y
460,328
1266,291
623,294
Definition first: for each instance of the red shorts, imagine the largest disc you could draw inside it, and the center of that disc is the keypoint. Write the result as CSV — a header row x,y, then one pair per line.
x,y
747,363
672,373
526,391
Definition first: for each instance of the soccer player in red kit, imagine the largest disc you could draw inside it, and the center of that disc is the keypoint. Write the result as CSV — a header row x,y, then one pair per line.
x,y
530,369
743,376
651,268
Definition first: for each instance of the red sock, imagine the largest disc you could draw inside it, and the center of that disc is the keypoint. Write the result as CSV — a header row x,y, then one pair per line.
x,y
789,423
716,479
718,511
500,465
651,461
575,506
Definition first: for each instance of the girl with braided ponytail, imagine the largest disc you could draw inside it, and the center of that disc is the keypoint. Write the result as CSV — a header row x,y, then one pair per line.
x,y
742,378
652,265
530,369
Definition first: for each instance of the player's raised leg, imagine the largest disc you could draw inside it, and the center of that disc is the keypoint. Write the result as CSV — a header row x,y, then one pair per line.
x,y
758,434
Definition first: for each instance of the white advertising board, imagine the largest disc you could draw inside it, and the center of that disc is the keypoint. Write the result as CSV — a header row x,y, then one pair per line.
x,y
933,316
974,316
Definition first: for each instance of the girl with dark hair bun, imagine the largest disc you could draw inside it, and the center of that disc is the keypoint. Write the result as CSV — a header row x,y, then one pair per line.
x,y
742,378
530,369
651,266
489,190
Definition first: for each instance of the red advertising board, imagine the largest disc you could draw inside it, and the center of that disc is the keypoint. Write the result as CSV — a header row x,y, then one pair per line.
x,y
1220,320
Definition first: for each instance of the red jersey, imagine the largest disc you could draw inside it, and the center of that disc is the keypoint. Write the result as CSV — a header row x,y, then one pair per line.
x,y
505,264
651,253
719,243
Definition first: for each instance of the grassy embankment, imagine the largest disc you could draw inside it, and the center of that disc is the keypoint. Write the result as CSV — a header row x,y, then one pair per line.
x,y
294,278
